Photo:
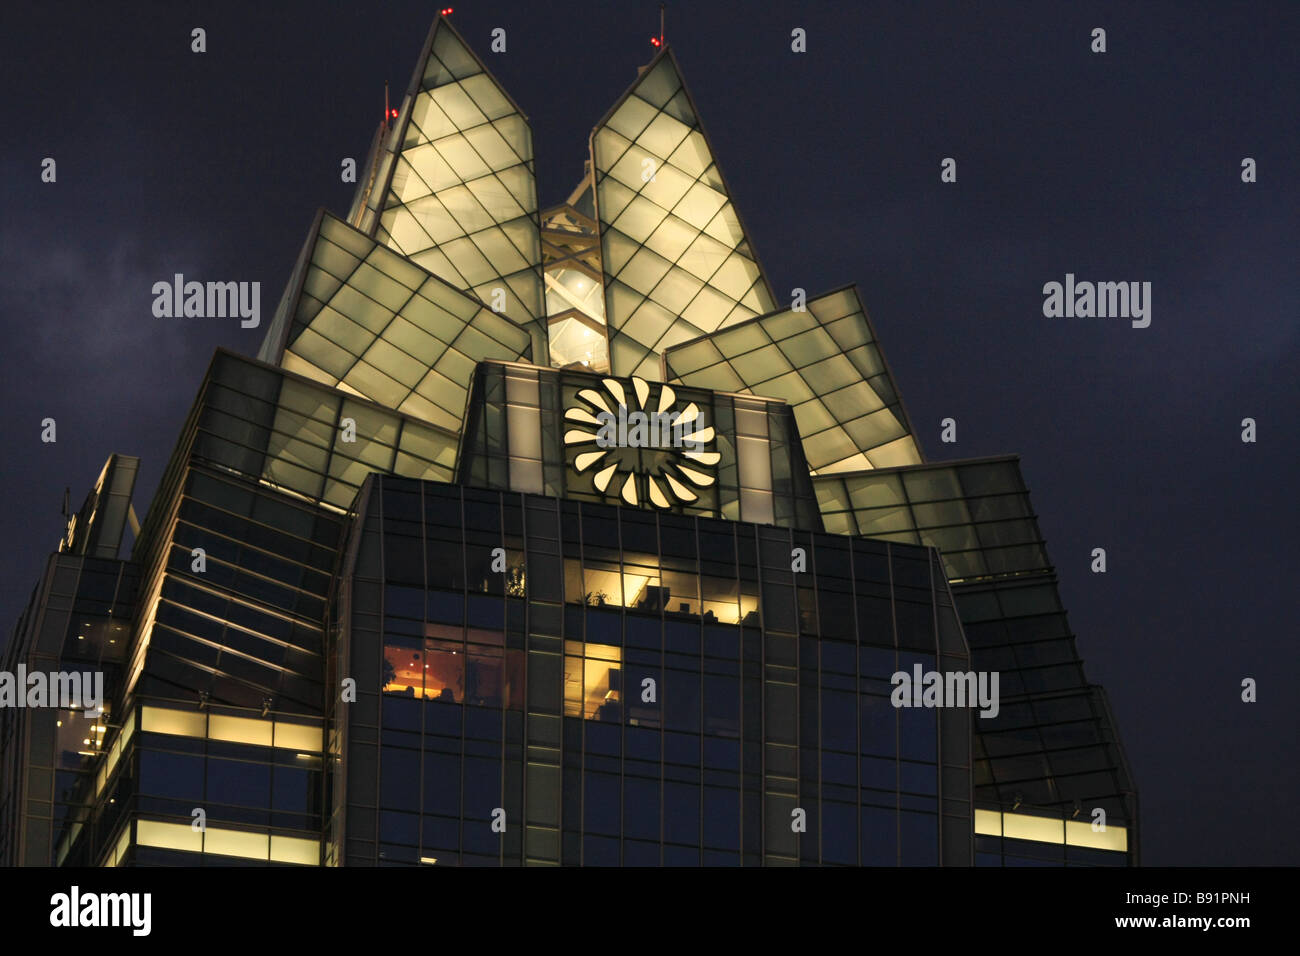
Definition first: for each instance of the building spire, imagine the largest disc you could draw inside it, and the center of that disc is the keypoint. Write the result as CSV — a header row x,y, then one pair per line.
x,y
658,42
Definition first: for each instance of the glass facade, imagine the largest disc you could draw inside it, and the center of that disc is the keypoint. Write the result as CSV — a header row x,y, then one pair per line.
x,y
620,566
1052,749
532,429
97,528
635,688
256,781
235,561
78,621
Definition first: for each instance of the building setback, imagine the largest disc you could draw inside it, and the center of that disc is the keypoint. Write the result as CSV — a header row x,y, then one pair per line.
x,y
403,596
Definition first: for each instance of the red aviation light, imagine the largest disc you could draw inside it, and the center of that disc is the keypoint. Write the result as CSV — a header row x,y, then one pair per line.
x,y
654,41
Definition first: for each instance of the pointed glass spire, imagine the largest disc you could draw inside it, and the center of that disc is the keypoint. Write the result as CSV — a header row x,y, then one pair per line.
x,y
676,260
459,197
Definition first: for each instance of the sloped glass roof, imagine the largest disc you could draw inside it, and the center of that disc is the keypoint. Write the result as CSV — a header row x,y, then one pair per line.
x,y
275,427
369,322
676,258
977,513
827,363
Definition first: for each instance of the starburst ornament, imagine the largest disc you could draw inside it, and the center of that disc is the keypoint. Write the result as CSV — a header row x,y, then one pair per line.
x,y
616,422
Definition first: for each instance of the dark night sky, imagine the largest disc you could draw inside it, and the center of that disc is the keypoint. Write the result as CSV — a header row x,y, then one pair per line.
x,y
1122,166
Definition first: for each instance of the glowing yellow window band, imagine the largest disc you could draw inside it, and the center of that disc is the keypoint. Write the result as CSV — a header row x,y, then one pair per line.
x,y
284,734
1024,826
220,841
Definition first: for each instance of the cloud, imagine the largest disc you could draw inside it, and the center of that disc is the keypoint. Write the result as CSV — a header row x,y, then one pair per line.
x,y
78,314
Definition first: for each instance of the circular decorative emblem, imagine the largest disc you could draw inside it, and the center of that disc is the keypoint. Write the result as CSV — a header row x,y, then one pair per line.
x,y
656,442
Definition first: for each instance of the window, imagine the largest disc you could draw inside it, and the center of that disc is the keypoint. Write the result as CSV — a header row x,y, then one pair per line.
x,y
495,676
593,681
429,667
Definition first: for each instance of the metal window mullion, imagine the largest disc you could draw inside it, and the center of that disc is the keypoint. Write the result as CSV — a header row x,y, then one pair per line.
x,y
501,758
699,635
898,760
938,722
464,612
857,689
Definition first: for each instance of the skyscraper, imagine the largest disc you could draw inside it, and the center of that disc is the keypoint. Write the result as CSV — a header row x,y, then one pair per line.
x,y
549,536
